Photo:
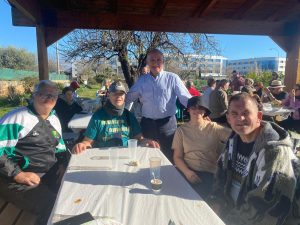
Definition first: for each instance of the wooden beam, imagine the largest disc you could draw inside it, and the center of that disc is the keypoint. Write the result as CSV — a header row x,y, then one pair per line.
x,y
42,53
53,34
29,8
283,12
292,67
247,6
114,6
282,42
65,19
203,8
159,7
18,18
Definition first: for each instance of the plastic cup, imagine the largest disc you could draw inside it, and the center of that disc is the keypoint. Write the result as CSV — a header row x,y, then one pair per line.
x,y
132,146
114,157
155,179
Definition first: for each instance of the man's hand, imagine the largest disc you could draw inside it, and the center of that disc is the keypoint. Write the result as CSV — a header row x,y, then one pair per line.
x,y
149,143
293,93
27,178
81,147
192,177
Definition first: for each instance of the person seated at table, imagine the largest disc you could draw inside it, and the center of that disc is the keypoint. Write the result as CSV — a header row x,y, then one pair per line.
x,y
66,108
274,93
74,85
293,102
259,86
255,182
32,153
113,125
191,88
197,146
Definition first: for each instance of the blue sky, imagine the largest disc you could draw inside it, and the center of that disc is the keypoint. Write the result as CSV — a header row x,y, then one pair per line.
x,y
232,46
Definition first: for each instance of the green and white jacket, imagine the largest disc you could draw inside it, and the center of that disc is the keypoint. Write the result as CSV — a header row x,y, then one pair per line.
x,y
29,143
268,185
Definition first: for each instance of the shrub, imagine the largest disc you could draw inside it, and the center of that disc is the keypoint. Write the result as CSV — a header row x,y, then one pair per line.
x,y
28,83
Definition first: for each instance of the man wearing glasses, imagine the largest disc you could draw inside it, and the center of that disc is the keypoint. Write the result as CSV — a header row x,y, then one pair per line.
x,y
32,153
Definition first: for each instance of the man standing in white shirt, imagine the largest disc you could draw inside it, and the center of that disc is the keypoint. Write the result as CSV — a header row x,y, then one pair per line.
x,y
158,91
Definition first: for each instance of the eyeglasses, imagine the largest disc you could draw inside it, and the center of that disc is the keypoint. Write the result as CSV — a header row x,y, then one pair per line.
x,y
47,96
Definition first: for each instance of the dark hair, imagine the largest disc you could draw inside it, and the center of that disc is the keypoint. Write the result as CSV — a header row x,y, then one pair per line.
x,y
223,82
189,84
211,82
244,96
155,50
66,89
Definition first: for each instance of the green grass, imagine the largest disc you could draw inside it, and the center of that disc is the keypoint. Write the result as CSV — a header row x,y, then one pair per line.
x,y
88,92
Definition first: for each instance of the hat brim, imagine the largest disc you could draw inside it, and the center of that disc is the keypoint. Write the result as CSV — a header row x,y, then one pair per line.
x,y
277,86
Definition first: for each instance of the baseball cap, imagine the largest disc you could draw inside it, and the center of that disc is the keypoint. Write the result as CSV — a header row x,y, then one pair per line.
x,y
117,86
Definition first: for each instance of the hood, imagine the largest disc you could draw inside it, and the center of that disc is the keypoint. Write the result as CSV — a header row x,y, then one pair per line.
x,y
272,135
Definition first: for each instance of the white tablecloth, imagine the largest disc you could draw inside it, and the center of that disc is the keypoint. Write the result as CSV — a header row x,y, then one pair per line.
x,y
276,111
123,193
79,122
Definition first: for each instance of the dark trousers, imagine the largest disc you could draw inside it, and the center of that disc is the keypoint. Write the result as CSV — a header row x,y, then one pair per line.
x,y
161,130
204,188
290,124
37,199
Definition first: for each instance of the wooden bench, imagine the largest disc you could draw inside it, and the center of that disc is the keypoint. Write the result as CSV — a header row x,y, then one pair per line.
x,y
11,215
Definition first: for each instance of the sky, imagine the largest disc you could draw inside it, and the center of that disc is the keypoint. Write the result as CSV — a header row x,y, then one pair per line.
x,y
232,46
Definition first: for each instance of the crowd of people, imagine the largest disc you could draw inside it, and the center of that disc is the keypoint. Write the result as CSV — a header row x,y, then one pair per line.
x,y
243,166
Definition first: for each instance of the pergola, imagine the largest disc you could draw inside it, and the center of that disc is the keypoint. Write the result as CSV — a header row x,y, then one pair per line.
x,y
54,19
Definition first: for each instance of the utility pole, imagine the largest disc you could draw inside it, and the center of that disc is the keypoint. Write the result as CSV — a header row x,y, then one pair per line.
x,y
57,58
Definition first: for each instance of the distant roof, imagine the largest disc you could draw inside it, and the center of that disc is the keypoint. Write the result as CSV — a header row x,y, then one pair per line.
x,y
11,74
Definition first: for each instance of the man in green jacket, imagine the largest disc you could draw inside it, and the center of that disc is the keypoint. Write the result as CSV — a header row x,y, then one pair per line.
x,y
255,181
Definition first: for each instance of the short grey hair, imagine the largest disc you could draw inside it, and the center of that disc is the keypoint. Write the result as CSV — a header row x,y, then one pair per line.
x,y
44,83
155,51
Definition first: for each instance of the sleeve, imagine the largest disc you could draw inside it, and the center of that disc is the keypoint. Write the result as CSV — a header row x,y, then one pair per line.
x,y
222,132
287,102
78,108
178,140
270,197
223,100
135,128
92,129
8,140
133,93
181,91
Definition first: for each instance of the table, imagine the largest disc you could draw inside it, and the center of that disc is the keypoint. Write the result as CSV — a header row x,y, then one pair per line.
x,y
270,110
80,121
124,194
91,104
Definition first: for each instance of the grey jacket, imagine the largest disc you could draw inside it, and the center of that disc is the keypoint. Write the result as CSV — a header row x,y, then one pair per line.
x,y
268,186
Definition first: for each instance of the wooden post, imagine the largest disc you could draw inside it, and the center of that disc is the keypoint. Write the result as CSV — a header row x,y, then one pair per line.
x,y
292,67
42,53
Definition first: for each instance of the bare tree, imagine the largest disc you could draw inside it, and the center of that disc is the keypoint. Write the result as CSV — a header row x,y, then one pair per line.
x,y
131,47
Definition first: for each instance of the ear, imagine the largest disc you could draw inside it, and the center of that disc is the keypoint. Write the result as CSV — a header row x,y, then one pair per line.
x,y
228,118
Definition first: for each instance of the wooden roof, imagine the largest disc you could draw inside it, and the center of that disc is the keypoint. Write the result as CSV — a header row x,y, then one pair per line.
x,y
256,17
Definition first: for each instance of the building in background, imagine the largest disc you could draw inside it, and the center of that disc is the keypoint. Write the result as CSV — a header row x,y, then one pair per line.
x,y
200,65
256,65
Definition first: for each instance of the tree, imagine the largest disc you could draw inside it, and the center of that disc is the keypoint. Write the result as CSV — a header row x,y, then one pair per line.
x,y
15,58
131,47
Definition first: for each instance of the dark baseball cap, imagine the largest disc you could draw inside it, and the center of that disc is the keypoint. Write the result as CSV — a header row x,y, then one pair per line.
x,y
117,86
